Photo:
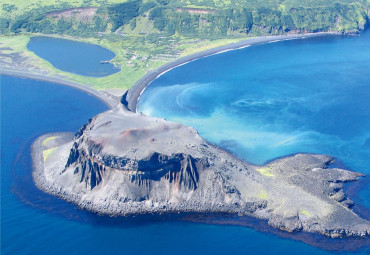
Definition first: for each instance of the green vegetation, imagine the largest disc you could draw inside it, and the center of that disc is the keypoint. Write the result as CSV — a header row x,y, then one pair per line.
x,y
267,171
146,34
203,18
46,153
263,195
305,213
135,54
48,140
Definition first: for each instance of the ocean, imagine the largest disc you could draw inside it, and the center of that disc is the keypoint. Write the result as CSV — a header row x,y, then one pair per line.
x,y
272,100
33,222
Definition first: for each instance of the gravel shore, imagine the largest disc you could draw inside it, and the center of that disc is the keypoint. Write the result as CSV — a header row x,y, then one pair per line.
x,y
135,92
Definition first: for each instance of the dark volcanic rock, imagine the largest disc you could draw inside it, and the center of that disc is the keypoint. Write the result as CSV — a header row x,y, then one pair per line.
x,y
123,163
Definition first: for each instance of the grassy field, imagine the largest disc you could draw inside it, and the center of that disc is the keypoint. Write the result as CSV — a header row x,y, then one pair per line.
x,y
138,50
18,7
144,41
18,57
136,56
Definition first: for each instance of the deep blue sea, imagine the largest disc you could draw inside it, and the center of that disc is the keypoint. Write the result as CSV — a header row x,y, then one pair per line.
x,y
74,57
33,222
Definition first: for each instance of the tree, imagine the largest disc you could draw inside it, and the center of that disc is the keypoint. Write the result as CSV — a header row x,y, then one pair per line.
x,y
121,14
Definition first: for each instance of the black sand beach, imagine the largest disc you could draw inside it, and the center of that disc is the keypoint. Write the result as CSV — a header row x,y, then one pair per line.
x,y
135,92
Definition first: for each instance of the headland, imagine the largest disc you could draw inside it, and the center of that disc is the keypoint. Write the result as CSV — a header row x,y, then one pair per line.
x,y
126,163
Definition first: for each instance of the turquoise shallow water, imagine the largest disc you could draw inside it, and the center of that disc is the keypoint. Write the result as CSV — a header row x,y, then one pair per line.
x,y
33,222
271,100
74,57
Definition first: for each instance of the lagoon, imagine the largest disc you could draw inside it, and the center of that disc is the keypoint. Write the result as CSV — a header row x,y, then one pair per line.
x,y
74,57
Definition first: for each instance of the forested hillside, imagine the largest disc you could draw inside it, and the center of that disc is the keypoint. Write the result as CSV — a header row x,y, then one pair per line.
x,y
202,18
146,34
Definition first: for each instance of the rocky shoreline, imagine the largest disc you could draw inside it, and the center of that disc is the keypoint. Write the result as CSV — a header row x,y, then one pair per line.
x,y
125,163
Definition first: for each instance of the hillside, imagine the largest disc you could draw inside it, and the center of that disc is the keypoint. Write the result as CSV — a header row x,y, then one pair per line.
x,y
190,17
146,34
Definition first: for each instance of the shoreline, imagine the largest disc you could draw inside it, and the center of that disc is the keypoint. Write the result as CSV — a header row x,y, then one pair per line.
x,y
42,181
108,100
135,92
220,218
88,90
228,219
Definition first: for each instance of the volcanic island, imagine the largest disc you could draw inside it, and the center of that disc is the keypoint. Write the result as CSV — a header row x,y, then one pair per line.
x,y
123,163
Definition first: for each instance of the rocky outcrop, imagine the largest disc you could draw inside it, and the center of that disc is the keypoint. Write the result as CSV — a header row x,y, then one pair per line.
x,y
124,163
90,167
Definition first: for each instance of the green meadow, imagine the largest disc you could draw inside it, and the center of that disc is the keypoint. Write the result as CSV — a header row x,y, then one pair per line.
x,y
146,34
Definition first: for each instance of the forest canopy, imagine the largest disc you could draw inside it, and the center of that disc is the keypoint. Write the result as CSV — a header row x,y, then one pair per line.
x,y
202,18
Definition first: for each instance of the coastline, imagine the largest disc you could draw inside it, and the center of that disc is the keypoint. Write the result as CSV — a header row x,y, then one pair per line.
x,y
89,90
261,225
109,100
54,175
135,92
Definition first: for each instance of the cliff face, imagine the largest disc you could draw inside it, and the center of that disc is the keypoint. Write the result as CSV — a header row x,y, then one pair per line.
x,y
144,159
179,169
123,163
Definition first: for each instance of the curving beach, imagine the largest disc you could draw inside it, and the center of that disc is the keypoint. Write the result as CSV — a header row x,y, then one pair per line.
x,y
106,98
134,93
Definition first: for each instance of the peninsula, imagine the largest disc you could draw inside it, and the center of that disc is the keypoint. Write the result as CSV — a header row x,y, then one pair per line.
x,y
126,163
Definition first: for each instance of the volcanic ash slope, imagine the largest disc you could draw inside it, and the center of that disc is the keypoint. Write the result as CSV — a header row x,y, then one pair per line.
x,y
125,163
